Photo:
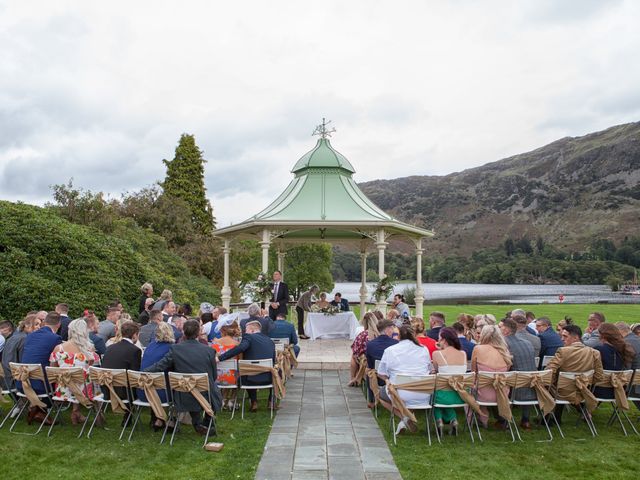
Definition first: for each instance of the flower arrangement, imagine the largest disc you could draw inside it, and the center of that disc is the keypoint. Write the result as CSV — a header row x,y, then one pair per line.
x,y
328,310
383,289
262,289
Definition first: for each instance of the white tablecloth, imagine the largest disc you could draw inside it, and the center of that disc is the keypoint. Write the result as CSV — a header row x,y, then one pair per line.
x,y
341,325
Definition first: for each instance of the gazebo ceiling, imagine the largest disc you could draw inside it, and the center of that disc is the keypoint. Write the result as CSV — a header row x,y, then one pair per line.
x,y
322,202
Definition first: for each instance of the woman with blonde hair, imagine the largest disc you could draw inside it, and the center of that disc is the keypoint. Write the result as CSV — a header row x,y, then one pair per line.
x,y
78,351
359,345
118,336
15,343
479,321
490,355
147,292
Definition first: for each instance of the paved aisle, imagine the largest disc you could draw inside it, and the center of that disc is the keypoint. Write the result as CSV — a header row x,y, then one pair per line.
x,y
324,430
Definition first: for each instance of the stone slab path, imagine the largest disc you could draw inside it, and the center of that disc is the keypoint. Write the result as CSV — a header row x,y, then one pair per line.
x,y
322,354
323,431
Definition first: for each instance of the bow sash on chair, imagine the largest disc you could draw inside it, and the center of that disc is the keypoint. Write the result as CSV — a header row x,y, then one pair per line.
x,y
362,368
111,379
254,369
25,374
71,378
193,385
150,384
425,385
498,382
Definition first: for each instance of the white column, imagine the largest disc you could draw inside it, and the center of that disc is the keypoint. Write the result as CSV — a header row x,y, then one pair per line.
x,y
363,285
281,256
381,245
419,298
265,243
226,288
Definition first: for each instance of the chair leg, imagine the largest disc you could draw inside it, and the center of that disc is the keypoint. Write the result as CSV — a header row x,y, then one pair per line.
x,y
475,419
93,424
426,416
630,422
126,423
235,404
273,401
616,412
170,417
44,420
58,408
135,422
24,405
206,438
244,394
14,404
176,427
86,421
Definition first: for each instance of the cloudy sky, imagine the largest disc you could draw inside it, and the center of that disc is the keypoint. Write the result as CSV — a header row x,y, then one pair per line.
x,y
101,91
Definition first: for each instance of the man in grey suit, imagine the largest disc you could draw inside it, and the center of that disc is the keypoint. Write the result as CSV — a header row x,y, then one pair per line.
x,y
522,333
191,356
256,315
591,337
522,356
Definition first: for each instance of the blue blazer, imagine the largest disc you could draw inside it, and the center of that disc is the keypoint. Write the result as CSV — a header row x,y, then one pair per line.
x,y
37,349
284,329
152,354
255,346
550,342
467,346
344,304
376,347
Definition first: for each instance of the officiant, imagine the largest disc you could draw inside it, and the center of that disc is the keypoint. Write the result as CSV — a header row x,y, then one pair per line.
x,y
280,298
304,305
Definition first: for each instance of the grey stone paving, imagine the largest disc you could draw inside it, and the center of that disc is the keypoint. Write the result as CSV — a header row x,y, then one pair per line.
x,y
324,431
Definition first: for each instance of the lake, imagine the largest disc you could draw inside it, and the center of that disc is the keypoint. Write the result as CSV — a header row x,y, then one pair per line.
x,y
453,293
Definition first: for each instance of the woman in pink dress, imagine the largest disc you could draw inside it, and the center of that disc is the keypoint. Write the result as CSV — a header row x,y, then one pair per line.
x,y
78,351
490,355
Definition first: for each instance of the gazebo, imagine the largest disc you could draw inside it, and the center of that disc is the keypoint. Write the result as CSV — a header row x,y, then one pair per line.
x,y
324,204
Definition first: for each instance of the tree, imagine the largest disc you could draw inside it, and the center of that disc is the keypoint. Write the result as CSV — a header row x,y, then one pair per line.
x,y
306,265
185,181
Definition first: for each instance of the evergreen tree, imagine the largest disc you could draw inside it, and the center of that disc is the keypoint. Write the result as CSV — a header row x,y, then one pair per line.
x,y
185,180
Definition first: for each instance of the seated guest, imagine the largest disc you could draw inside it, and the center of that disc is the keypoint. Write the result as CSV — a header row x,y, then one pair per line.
x,y
143,318
118,336
523,358
400,305
6,330
168,310
522,332
322,302
177,322
338,301
256,315
479,321
561,324
107,328
37,349
147,293
394,316
190,356
157,349
615,354
550,341
284,329
531,322
255,345
629,337
467,321
417,324
449,359
92,326
635,329
359,345
377,346
77,351
14,344
591,337
407,357
574,357
63,310
436,322
148,331
465,344
227,376
490,355
214,332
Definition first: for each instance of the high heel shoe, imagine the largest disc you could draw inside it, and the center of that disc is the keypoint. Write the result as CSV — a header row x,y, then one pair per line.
x,y
77,418
453,427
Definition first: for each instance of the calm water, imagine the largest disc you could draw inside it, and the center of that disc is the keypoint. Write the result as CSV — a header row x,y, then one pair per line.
x,y
452,293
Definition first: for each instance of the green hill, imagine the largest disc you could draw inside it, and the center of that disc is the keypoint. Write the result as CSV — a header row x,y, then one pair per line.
x,y
45,259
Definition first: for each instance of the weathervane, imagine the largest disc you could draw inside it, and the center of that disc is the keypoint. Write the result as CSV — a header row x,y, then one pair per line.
x,y
322,129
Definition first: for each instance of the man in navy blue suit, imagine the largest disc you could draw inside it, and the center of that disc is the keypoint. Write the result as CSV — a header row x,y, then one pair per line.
x,y
254,346
37,349
280,299
62,309
284,329
338,301
550,341
377,346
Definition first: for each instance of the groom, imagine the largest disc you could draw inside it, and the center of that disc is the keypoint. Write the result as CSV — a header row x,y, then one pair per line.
x,y
278,302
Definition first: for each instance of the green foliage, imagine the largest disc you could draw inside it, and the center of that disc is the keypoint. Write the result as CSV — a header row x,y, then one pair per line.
x,y
185,181
45,259
306,265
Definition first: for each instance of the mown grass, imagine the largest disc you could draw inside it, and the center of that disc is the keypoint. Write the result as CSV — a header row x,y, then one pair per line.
x,y
103,456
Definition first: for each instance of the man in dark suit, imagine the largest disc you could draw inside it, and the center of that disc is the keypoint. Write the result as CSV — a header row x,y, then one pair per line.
x,y
377,346
92,327
256,315
550,341
436,322
37,349
254,346
284,329
280,297
338,301
466,345
62,309
191,356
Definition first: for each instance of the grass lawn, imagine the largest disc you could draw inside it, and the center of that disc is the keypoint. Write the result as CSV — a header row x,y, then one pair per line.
x,y
611,455
103,456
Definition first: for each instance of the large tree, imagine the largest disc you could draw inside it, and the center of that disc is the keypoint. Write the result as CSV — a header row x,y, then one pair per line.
x,y
185,181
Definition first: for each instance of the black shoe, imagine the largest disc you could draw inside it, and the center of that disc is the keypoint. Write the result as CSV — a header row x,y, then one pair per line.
x,y
201,430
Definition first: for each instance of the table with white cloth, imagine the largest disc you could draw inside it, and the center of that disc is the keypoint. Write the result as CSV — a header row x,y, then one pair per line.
x,y
340,325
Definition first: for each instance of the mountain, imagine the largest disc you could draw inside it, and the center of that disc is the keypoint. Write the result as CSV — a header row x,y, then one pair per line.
x,y
568,192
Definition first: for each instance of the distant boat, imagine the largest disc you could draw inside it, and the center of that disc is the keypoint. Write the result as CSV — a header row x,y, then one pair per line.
x,y
631,288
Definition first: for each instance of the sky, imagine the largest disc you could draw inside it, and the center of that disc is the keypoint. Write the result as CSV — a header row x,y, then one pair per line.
x,y
101,91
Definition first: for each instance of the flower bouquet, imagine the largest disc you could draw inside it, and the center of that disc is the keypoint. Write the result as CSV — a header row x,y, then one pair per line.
x,y
383,289
330,310
262,289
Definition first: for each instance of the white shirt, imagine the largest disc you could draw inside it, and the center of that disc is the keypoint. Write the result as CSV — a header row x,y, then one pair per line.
x,y
532,325
206,328
2,340
406,358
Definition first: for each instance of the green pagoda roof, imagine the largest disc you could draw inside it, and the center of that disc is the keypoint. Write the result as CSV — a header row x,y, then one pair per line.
x,y
323,156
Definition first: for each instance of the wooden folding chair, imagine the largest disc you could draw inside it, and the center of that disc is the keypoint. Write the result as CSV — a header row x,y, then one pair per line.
x,y
27,373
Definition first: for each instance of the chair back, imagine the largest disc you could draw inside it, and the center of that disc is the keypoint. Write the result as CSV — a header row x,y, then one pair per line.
x,y
376,365
72,378
536,361
112,378
524,379
230,366
194,384
618,380
574,387
635,378
25,373
265,362
157,380
283,341
466,380
545,360
427,383
279,347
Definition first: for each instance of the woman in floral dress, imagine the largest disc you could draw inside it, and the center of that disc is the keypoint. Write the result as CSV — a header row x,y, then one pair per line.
x,y
78,351
227,376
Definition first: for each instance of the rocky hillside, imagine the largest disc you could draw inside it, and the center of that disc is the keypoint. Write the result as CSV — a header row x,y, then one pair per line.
x,y
568,192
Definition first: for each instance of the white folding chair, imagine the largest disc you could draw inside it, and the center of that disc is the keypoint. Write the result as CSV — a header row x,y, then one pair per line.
x,y
486,379
203,386
54,377
545,361
119,376
624,376
442,384
35,372
426,406
633,392
7,390
228,366
523,380
136,380
536,362
280,340
268,362
568,380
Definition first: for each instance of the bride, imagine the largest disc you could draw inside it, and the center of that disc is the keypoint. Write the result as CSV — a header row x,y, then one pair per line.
x,y
322,303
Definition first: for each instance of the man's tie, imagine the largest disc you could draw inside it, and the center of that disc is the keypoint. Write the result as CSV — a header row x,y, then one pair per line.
x,y
275,292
